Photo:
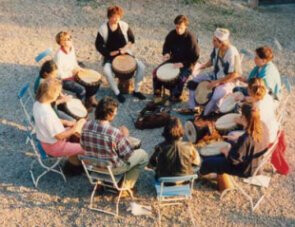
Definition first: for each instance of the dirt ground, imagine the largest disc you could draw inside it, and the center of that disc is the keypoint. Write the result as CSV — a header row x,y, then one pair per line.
x,y
29,26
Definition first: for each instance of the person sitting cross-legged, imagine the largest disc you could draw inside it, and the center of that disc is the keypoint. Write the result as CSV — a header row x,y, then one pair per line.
x,y
105,142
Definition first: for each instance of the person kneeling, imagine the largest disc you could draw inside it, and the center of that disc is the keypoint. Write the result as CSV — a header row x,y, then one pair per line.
x,y
174,157
104,142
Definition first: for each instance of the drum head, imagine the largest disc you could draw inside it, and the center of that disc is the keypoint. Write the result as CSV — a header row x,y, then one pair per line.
x,y
124,64
167,72
213,148
229,102
203,93
89,76
227,121
134,142
76,107
190,131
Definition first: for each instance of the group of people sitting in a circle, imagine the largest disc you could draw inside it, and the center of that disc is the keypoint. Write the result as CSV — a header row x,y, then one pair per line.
x,y
61,134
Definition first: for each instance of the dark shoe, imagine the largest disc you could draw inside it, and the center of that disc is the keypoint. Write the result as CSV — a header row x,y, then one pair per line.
x,y
121,98
186,111
139,95
71,170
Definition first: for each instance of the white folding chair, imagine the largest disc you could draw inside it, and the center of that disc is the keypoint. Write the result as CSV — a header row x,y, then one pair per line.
x,y
105,178
258,180
49,164
168,195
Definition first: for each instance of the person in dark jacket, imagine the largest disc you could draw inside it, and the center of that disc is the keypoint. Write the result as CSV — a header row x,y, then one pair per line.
x,y
174,157
243,157
181,48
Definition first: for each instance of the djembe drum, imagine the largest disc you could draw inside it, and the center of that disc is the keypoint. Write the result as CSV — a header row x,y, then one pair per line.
x,y
168,74
195,132
124,67
89,79
76,109
134,142
213,148
230,103
227,123
203,93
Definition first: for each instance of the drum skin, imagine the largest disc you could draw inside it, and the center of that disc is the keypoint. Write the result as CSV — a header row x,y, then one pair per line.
x,y
124,66
203,93
70,111
168,74
227,123
93,86
195,133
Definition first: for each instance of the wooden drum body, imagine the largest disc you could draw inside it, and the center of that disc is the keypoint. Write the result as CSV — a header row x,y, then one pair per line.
x,y
89,79
124,67
168,74
203,93
76,109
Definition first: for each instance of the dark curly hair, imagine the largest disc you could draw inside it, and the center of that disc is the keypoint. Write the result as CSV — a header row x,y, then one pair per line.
x,y
173,130
105,108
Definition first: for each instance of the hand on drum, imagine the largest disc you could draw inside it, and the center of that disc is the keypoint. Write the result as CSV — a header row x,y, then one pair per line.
x,y
166,57
212,84
124,130
114,53
76,71
178,65
79,125
67,123
64,98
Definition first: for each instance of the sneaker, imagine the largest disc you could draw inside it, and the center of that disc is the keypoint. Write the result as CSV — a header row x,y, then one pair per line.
x,y
121,98
139,95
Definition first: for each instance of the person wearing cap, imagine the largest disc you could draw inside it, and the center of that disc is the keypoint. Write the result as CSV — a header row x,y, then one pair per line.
x,y
226,63
180,48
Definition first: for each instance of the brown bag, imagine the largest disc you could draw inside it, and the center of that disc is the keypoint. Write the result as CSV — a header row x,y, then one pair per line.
x,y
152,116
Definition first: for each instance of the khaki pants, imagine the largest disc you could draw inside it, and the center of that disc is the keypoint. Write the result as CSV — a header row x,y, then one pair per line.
x,y
136,162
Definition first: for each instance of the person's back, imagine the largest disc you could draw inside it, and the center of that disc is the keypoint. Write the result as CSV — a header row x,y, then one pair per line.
x,y
176,159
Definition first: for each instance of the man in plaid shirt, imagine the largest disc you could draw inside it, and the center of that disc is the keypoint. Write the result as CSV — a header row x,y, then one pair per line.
x,y
108,144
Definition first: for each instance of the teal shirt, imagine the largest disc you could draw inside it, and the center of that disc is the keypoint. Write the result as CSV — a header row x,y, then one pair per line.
x,y
271,76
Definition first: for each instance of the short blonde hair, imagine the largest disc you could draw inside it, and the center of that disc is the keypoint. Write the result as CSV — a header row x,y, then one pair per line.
x,y
48,90
62,36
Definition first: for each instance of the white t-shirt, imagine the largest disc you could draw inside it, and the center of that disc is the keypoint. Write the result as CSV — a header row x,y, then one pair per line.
x,y
231,62
66,63
266,108
47,124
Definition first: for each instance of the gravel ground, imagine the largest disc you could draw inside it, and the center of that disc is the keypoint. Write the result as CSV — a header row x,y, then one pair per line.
x,y
29,26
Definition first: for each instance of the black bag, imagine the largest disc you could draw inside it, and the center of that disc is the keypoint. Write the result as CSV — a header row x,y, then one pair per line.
x,y
152,116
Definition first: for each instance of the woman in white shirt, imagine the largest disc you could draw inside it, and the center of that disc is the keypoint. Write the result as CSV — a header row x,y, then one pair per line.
x,y
65,59
50,129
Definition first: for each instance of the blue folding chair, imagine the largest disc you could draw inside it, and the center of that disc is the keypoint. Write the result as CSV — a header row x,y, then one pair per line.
x,y
171,190
49,164
26,101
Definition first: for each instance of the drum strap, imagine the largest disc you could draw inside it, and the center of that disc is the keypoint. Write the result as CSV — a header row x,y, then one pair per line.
x,y
216,68
103,30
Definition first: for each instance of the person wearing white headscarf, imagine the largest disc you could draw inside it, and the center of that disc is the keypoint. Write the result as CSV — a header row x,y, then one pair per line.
x,y
226,63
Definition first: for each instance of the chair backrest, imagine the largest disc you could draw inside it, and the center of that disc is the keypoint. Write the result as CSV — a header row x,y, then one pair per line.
x,y
37,147
26,101
43,54
177,187
104,175
267,155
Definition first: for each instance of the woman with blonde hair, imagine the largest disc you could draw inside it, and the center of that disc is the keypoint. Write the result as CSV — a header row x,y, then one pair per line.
x,y
243,156
50,130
